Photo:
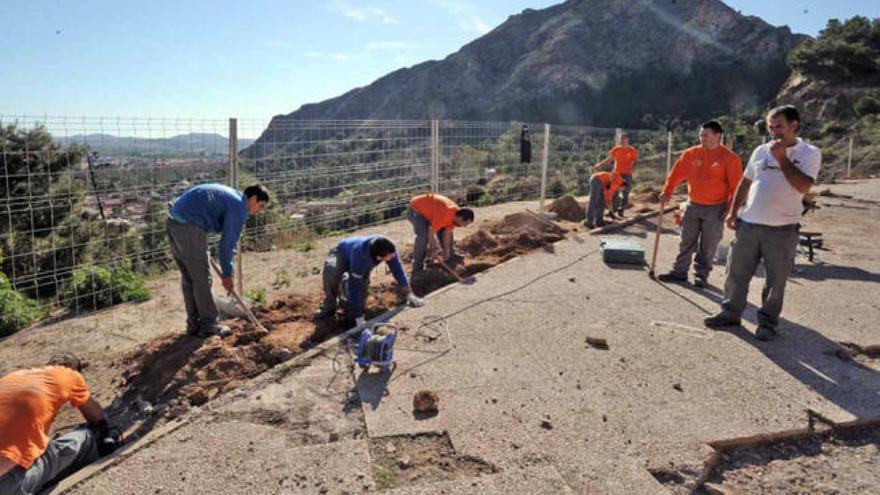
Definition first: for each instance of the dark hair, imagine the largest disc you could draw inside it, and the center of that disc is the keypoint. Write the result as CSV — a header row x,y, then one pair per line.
x,y
713,125
257,190
67,360
381,247
466,214
790,113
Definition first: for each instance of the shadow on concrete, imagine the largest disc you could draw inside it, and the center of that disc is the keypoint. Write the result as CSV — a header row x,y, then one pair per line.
x,y
809,357
823,271
372,388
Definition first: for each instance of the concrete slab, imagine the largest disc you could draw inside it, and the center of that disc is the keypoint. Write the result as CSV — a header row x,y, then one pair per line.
x,y
236,457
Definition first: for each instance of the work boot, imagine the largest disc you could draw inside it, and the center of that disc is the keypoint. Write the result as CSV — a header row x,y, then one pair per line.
x,y
620,214
700,282
324,312
766,333
588,224
672,277
215,330
722,319
192,329
601,223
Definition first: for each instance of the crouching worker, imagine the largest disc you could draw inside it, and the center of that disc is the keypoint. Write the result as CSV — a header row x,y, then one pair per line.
x,y
603,187
346,275
29,401
433,216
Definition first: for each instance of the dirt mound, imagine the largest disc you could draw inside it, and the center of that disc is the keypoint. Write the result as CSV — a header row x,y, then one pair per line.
x,y
646,195
183,370
567,208
477,243
517,223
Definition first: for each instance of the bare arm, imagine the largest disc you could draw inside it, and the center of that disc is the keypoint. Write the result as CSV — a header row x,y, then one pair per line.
x,y
447,243
799,180
92,411
742,192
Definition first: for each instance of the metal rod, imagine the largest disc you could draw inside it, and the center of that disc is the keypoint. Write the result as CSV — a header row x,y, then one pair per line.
x,y
544,160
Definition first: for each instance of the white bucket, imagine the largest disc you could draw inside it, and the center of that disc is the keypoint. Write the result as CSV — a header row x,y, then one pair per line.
x,y
228,307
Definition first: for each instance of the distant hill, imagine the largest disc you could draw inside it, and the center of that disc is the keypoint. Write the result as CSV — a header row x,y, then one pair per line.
x,y
631,63
183,144
836,86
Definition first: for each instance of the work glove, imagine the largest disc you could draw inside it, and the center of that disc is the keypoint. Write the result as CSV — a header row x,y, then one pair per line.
x,y
107,438
360,322
414,300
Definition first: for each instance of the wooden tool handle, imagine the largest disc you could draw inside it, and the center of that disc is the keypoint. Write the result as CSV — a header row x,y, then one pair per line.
x,y
657,237
247,311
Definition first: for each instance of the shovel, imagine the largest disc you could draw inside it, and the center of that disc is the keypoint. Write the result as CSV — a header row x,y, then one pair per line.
x,y
243,305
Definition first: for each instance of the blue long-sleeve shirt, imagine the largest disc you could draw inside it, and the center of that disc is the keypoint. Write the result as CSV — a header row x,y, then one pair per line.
x,y
356,251
214,208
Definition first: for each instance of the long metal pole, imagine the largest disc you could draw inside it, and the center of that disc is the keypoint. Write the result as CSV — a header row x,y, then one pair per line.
x,y
544,160
849,160
435,155
233,183
668,152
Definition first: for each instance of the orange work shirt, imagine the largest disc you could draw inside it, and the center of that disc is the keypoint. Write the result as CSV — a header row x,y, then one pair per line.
x,y
437,209
609,186
624,158
712,175
29,401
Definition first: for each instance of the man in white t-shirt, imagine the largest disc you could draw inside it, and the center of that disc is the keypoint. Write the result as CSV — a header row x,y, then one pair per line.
x,y
778,175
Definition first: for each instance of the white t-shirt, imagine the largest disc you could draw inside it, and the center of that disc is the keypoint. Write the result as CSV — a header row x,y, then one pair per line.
x,y
772,199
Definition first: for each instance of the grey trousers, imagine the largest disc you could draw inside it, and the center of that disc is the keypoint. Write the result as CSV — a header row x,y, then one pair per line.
x,y
776,246
335,281
596,203
702,228
422,229
621,199
189,247
63,456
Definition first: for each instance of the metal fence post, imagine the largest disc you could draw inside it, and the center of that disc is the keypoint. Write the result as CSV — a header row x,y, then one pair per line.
x,y
233,183
435,155
849,159
544,159
668,152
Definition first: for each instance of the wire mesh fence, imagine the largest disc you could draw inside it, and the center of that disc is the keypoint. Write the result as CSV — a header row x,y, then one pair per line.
x,y
83,201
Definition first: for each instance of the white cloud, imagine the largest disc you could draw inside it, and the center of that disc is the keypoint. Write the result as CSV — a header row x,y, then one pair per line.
x,y
466,15
362,14
335,56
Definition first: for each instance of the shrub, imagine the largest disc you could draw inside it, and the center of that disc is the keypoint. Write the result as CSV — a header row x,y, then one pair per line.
x,y
16,310
867,105
95,287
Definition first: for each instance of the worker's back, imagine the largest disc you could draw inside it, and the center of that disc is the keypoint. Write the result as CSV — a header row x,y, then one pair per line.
x,y
29,401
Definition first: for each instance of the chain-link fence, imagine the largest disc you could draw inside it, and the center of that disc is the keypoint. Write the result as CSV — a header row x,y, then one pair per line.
x,y
84,200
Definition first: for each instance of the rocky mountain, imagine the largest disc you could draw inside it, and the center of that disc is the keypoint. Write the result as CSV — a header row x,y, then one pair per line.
x,y
596,62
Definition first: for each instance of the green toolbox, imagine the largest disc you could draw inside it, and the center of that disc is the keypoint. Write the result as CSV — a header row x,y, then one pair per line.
x,y
622,251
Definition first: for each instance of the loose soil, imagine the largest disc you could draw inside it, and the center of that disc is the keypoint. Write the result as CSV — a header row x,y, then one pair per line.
x,y
173,373
408,460
567,208
842,463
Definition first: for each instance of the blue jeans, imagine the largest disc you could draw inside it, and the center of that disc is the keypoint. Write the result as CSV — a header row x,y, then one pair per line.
x,y
63,456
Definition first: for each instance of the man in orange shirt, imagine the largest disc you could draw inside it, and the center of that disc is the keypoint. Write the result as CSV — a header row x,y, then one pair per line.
x,y
433,215
712,172
603,186
29,401
624,157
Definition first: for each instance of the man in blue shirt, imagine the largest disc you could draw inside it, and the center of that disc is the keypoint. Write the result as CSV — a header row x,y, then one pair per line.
x,y
347,274
200,210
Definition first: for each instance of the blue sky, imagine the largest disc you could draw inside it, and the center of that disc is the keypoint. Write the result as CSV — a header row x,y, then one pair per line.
x,y
201,58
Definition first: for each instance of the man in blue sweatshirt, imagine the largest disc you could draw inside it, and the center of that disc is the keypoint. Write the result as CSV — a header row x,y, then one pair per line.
x,y
347,272
200,210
